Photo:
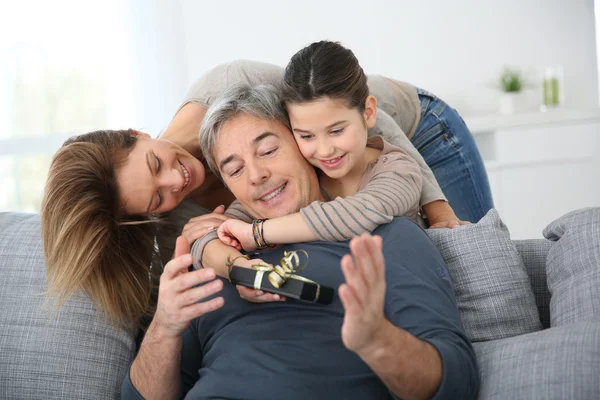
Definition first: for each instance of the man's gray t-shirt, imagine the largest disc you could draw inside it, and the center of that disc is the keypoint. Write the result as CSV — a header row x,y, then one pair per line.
x,y
293,350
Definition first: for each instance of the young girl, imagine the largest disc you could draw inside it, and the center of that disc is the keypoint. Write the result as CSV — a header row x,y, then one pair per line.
x,y
366,181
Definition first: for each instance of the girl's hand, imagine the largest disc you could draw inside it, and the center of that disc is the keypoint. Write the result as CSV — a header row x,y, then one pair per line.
x,y
238,234
253,295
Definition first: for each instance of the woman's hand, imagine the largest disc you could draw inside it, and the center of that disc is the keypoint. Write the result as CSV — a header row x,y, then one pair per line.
x,y
441,215
197,227
448,221
238,234
253,295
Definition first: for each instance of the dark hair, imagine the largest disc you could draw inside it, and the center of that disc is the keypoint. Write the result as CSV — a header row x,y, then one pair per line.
x,y
325,69
89,242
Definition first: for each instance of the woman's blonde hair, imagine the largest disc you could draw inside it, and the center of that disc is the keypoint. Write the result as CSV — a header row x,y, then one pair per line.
x,y
89,243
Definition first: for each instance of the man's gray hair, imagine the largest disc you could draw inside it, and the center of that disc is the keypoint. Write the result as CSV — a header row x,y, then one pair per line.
x,y
261,101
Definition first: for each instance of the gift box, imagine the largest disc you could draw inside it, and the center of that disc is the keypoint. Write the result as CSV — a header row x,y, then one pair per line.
x,y
294,287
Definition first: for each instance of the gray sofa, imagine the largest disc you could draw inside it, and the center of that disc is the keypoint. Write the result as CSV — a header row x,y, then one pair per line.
x,y
72,354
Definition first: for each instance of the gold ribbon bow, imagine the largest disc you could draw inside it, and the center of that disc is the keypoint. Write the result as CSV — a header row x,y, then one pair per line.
x,y
279,274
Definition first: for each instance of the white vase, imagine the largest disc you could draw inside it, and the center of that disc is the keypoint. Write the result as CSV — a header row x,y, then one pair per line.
x,y
510,103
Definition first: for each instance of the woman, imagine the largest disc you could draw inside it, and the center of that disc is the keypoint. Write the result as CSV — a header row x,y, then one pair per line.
x,y
104,187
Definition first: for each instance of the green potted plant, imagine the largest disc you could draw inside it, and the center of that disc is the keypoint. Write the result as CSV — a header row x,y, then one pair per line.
x,y
512,83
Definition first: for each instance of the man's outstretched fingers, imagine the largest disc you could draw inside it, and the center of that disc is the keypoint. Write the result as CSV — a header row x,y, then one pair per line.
x,y
374,247
378,240
354,279
362,261
349,301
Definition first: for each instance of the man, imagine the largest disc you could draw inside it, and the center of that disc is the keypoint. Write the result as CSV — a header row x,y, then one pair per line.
x,y
392,330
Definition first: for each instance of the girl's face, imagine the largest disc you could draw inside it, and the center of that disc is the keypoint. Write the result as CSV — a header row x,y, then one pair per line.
x,y
331,135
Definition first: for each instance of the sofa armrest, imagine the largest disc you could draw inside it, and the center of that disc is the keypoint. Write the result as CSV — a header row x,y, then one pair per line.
x,y
44,354
534,252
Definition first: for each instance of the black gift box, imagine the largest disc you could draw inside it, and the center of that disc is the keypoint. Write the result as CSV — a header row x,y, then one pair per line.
x,y
292,288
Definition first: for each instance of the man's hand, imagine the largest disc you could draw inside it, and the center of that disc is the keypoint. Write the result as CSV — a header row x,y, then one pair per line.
x,y
238,234
199,226
363,293
179,300
253,295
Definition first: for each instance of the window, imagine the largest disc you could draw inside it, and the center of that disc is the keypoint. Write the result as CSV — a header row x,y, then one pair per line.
x,y
63,72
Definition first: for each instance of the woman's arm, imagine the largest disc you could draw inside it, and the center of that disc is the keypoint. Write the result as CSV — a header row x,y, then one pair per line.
x,y
432,199
184,127
441,215
395,136
397,119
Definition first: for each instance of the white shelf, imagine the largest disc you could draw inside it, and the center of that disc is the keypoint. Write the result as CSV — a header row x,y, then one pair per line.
x,y
482,124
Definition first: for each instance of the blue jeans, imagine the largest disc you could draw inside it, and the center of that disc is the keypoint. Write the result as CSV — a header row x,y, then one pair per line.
x,y
448,147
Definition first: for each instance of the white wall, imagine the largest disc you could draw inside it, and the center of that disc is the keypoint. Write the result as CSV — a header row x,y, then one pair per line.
x,y
453,48
155,38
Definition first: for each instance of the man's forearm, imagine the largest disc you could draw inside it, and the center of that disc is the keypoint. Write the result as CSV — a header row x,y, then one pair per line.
x,y
155,372
409,367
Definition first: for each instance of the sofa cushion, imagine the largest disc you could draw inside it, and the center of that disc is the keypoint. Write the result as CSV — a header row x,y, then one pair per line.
x,y
534,253
554,364
492,289
573,266
71,354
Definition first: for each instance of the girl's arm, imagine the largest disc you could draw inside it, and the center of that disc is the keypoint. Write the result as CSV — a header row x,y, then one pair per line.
x,y
393,190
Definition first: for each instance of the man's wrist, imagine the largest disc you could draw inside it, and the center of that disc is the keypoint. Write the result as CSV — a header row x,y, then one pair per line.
x,y
381,342
156,366
160,333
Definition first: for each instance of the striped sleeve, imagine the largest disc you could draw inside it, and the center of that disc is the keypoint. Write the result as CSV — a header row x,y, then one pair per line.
x,y
235,210
393,190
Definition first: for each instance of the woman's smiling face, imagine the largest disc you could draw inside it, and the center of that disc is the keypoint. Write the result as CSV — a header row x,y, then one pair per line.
x,y
156,176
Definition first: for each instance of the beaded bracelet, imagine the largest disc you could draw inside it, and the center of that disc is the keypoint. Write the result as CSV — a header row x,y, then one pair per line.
x,y
258,235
